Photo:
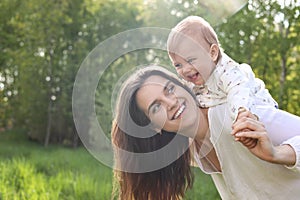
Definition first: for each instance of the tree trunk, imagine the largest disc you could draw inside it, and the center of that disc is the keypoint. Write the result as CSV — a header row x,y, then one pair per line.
x,y
50,105
282,80
75,140
49,124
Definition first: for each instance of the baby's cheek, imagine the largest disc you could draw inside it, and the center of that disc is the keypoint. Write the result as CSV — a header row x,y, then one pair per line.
x,y
179,72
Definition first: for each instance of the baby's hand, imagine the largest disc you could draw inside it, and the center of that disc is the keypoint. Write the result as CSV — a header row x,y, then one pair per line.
x,y
236,128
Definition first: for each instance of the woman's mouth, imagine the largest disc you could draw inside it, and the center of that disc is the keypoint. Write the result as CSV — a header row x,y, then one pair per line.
x,y
179,111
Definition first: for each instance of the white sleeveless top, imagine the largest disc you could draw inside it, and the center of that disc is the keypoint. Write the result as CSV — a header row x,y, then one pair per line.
x,y
245,176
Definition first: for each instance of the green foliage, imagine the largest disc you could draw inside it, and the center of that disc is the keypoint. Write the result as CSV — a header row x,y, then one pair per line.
x,y
203,187
31,172
44,42
263,34
21,180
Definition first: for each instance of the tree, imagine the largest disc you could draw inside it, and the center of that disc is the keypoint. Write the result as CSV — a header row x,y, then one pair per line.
x,y
264,34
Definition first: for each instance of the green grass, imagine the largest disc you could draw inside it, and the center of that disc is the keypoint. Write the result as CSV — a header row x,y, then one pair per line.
x,y
28,171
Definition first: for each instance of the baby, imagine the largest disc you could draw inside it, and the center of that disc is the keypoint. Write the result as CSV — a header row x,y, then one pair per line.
x,y
215,78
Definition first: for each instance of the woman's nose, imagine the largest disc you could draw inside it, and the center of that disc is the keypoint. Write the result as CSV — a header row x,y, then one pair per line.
x,y
171,101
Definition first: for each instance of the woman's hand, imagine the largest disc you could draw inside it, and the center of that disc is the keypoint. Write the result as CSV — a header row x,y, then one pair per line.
x,y
247,142
247,126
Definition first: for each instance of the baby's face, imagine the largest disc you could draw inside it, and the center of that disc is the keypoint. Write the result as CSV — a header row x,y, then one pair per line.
x,y
193,63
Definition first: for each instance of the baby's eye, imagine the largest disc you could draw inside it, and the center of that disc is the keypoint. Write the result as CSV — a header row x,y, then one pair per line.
x,y
155,108
171,89
190,60
178,65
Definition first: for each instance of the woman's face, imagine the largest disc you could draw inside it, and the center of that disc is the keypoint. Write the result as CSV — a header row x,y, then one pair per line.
x,y
169,106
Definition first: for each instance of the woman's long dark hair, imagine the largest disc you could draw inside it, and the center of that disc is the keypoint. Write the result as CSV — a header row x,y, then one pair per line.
x,y
167,183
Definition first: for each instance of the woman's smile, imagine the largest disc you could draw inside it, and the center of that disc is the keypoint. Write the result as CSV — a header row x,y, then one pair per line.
x,y
180,110
168,106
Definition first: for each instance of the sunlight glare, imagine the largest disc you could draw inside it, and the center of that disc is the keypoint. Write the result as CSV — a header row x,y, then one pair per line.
x,y
220,9
285,3
1,86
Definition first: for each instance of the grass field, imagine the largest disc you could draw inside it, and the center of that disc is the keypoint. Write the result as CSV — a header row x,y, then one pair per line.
x,y
28,171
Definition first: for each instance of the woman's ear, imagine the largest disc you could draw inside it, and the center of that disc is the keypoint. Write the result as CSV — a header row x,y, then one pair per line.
x,y
157,130
214,52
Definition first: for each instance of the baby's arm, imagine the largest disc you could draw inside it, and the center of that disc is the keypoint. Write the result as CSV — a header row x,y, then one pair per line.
x,y
237,81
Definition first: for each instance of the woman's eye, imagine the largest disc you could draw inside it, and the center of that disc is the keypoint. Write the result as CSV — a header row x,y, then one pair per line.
x,y
171,89
155,108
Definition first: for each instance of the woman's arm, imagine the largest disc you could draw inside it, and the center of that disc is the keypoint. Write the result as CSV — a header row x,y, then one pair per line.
x,y
282,154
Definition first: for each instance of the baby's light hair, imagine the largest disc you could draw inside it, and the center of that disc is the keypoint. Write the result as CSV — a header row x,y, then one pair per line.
x,y
193,28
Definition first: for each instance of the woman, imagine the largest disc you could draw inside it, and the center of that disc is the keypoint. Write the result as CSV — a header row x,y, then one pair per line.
x,y
156,111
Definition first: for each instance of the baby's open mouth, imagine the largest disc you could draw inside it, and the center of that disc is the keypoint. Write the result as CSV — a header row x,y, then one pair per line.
x,y
193,77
